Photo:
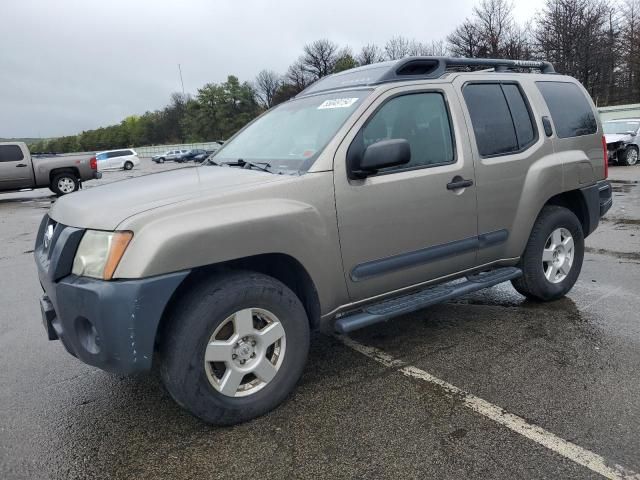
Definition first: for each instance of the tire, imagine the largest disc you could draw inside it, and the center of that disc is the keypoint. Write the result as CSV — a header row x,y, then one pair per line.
x,y
211,307
539,282
629,157
161,160
128,165
64,183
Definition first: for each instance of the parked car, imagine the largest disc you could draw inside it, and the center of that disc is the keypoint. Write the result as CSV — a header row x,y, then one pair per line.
x,y
203,156
414,185
195,152
171,155
623,140
117,159
62,174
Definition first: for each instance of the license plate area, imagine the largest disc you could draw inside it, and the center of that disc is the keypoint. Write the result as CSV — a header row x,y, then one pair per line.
x,y
48,315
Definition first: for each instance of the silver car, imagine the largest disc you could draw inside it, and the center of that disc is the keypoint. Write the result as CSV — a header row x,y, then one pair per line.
x,y
623,140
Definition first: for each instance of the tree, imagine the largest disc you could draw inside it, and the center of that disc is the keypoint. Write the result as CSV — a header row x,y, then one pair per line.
x,y
573,35
465,40
319,58
369,54
267,84
344,61
396,48
298,77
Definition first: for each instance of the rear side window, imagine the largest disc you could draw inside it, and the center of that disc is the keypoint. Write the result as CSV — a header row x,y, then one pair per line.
x,y
10,153
571,112
500,117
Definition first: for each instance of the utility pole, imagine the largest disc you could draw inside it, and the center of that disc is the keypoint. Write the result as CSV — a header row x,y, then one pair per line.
x,y
181,82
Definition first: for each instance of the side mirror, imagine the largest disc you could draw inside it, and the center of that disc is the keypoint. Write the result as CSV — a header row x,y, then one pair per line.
x,y
383,154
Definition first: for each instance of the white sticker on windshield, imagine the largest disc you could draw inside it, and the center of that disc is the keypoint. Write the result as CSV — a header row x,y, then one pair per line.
x,y
337,103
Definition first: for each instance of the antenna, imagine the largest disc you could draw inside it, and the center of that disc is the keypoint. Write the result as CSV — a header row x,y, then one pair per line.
x,y
181,82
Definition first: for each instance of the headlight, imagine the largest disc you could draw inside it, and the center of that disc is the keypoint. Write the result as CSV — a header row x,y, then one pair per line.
x,y
99,253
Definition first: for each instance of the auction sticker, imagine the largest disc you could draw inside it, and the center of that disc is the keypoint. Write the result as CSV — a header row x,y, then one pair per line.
x,y
337,103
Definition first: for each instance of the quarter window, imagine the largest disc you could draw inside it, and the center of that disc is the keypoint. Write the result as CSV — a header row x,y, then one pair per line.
x,y
10,153
420,118
500,117
571,112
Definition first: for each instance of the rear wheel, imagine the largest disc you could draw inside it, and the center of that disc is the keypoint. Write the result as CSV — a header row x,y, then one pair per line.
x,y
64,183
234,347
629,156
128,165
553,257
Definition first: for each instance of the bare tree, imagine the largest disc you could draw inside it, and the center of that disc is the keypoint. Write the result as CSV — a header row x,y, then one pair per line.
x,y
369,54
465,40
298,76
494,21
266,85
319,58
396,48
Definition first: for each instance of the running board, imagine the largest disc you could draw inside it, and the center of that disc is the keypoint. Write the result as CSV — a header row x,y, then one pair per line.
x,y
387,309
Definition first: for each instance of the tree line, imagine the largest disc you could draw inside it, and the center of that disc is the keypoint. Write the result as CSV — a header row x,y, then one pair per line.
x,y
595,41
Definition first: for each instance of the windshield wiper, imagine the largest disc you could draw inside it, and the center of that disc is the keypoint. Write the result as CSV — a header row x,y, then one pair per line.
x,y
264,166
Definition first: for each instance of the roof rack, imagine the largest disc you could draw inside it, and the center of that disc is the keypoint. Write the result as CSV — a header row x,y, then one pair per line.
x,y
418,68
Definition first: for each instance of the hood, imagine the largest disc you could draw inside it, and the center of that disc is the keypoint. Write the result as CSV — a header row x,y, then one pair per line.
x,y
106,206
617,137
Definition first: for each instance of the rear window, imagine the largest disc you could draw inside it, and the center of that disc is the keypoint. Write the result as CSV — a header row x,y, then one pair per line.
x,y
571,112
500,117
10,153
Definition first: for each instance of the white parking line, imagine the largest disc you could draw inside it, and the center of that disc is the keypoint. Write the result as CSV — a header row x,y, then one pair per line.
x,y
571,451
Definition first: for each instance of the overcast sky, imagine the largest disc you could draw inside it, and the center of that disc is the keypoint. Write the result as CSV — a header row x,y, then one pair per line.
x,y
73,65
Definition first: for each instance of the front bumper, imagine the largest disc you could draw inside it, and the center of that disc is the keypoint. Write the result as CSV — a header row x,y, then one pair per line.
x,y
111,325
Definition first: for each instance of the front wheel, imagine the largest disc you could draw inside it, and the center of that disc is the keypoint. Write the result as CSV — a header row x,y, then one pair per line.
x,y
629,156
128,165
64,183
234,347
552,260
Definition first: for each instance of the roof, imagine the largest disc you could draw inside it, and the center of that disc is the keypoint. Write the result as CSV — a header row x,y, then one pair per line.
x,y
417,68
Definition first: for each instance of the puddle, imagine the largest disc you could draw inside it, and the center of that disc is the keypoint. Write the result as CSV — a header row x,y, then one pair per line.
x,y
634,256
623,186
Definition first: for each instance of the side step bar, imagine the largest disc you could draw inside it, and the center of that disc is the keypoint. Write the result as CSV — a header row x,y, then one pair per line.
x,y
387,309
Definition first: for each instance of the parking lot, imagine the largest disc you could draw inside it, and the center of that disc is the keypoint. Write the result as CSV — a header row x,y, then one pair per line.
x,y
489,385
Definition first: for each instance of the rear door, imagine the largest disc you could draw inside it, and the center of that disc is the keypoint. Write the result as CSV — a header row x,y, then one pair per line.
x,y
403,226
510,149
15,168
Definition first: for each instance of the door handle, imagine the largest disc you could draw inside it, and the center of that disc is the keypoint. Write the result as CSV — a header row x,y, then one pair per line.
x,y
21,165
458,182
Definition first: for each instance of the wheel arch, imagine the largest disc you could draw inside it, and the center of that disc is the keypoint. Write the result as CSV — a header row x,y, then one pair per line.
x,y
280,266
58,171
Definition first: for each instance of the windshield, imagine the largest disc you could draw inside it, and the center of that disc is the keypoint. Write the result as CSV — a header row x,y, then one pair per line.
x,y
621,127
290,137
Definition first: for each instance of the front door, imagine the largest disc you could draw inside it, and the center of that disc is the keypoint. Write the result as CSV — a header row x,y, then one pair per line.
x,y
416,222
15,169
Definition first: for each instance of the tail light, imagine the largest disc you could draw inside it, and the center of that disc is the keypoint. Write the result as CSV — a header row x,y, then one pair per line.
x,y
93,163
606,157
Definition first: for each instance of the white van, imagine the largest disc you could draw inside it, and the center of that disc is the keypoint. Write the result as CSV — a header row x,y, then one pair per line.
x,y
117,159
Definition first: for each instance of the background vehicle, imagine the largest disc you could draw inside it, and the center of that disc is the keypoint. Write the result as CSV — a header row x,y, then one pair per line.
x,y
171,155
350,206
623,140
193,153
61,173
117,159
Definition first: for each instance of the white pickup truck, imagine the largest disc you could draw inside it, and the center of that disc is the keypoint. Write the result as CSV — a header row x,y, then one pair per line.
x,y
61,173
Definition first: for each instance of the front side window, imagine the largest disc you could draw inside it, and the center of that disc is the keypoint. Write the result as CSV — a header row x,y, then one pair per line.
x,y
10,153
420,118
570,111
501,120
292,135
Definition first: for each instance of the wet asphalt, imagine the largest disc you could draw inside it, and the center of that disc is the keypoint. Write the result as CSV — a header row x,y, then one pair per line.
x,y
571,367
